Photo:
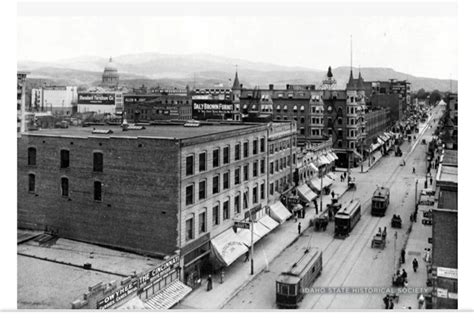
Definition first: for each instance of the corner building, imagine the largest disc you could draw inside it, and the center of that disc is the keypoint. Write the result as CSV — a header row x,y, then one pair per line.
x,y
151,191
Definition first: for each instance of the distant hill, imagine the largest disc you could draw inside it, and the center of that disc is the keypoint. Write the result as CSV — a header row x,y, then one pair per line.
x,y
203,70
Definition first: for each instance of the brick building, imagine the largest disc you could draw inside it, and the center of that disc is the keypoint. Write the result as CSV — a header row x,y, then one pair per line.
x,y
152,107
445,234
151,191
55,99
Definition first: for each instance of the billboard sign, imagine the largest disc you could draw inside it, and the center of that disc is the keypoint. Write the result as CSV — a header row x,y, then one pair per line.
x,y
447,273
203,108
96,98
118,295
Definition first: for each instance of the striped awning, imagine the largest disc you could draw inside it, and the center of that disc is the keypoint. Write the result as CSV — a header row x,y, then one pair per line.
x,y
168,297
306,193
334,155
323,160
313,166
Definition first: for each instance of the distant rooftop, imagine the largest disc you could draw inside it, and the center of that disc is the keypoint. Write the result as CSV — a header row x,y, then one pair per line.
x,y
447,175
450,158
171,131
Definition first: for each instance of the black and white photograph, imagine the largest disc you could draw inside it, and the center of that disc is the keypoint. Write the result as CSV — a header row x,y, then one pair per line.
x,y
237,156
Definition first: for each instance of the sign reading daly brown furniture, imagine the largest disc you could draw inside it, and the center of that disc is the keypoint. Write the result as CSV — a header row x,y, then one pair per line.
x,y
209,108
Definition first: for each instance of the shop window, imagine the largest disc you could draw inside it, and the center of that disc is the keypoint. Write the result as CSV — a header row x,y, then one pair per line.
x,y
237,151
202,161
189,229
97,191
255,195
98,162
237,204
226,155
215,215
65,187
202,189
215,184
246,172
64,159
31,156
189,194
225,210
237,176
31,182
225,179
202,222
215,158
255,146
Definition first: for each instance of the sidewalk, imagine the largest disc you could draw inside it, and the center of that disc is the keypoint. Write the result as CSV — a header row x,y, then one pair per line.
x,y
267,249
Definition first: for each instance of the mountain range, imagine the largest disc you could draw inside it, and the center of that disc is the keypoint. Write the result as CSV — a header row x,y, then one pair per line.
x,y
204,70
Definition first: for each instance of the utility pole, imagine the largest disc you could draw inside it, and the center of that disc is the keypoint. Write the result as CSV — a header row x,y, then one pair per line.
x,y
395,250
321,193
251,243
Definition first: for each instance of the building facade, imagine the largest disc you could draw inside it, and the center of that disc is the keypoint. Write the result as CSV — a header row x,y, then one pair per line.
x,y
190,184
152,107
100,101
59,100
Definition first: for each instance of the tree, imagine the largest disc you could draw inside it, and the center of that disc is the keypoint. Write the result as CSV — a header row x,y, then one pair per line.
x,y
435,97
421,94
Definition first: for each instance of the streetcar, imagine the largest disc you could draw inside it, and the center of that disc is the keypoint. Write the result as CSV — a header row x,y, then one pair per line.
x,y
291,285
346,218
380,201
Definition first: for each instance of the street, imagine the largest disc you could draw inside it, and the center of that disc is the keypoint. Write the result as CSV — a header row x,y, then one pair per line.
x,y
352,262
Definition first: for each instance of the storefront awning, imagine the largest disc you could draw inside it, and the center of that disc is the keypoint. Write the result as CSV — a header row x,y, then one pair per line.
x,y
357,154
387,135
316,184
324,160
380,141
313,167
306,193
133,304
245,236
268,222
330,156
334,155
227,247
327,182
375,146
260,230
279,212
168,297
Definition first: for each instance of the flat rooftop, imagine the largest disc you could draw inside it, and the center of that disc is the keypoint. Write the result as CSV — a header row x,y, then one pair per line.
x,y
176,131
447,174
450,158
51,274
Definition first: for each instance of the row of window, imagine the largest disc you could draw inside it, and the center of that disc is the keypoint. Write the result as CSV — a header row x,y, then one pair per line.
x,y
64,186
281,145
280,164
64,161
223,213
279,185
258,169
226,156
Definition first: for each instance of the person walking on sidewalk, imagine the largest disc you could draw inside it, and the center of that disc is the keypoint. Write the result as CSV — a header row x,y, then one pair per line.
x,y
413,169
431,181
386,301
247,254
415,264
222,276
209,283
421,301
402,256
299,228
332,194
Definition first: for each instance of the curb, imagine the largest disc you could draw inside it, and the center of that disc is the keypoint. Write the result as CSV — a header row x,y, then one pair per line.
x,y
269,262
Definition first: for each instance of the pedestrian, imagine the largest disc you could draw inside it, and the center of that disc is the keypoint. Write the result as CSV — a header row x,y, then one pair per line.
x,y
385,301
404,274
415,264
390,304
222,276
316,207
299,228
332,194
402,255
342,178
413,169
426,184
431,181
304,212
209,283
247,254
421,301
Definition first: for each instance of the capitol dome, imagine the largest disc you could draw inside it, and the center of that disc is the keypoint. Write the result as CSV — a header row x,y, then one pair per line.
x,y
110,77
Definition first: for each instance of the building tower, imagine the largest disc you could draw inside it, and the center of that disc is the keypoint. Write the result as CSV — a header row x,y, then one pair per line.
x,y
110,77
236,92
329,83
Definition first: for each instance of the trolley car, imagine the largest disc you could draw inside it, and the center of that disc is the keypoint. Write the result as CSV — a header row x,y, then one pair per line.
x,y
346,218
380,201
292,285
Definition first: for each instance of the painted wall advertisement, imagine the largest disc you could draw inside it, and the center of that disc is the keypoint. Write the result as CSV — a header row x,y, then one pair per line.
x,y
96,98
211,107
139,283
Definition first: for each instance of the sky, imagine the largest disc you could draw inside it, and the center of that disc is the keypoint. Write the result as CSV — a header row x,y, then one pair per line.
x,y
419,39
